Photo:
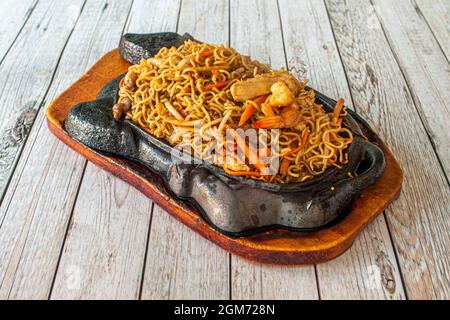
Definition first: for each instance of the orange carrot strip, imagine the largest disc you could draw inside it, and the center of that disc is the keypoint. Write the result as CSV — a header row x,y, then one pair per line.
x,y
261,99
284,167
219,85
250,109
247,114
270,122
338,108
269,110
302,144
242,173
249,154
204,54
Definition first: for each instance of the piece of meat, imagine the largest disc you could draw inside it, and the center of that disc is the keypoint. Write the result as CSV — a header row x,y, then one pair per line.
x,y
117,111
126,104
120,108
261,84
130,80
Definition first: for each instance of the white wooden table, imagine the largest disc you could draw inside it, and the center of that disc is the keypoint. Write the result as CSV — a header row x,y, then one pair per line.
x,y
70,230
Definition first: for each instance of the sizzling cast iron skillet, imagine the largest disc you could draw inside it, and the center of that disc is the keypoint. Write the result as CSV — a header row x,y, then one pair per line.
x,y
236,206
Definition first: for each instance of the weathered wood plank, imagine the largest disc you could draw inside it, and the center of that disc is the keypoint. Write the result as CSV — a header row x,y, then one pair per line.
x,y
418,220
256,31
104,250
153,16
437,15
368,270
13,15
40,198
425,67
206,20
346,276
181,264
270,282
23,85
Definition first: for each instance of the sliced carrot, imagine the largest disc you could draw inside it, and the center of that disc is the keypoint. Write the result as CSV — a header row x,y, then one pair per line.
x,y
249,153
338,108
261,99
204,54
302,144
247,114
284,167
250,109
270,122
219,85
269,111
242,173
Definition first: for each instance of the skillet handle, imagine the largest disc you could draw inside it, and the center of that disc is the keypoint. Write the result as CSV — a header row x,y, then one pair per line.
x,y
372,157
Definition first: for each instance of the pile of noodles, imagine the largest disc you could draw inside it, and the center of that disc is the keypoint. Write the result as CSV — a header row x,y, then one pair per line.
x,y
189,86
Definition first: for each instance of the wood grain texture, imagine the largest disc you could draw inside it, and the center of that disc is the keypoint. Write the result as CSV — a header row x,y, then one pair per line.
x,y
24,92
269,282
181,264
368,270
43,189
24,85
13,15
153,16
104,250
437,15
314,50
256,31
425,67
418,220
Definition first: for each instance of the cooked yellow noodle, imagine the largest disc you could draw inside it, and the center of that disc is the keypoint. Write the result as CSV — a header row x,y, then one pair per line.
x,y
189,85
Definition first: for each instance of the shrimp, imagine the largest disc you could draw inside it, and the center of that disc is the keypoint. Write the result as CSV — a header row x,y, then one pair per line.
x,y
290,117
281,95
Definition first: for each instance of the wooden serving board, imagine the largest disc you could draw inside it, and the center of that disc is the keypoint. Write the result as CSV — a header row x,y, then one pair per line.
x,y
274,246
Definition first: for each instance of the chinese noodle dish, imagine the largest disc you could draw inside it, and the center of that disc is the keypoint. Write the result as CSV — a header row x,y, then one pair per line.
x,y
198,93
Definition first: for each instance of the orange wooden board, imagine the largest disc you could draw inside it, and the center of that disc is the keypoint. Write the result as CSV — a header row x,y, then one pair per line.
x,y
275,246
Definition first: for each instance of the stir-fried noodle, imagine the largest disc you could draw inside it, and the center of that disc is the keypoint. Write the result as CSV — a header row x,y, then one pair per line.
x,y
207,89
